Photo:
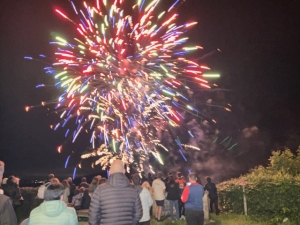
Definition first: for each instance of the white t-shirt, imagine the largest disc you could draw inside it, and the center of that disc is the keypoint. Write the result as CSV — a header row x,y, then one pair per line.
x,y
159,187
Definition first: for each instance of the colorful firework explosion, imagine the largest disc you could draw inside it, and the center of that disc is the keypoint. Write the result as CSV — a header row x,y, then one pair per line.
x,y
125,79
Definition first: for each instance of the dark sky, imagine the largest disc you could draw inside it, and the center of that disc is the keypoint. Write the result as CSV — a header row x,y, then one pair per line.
x,y
260,63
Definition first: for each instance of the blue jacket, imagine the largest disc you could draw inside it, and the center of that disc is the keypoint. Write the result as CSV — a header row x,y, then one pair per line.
x,y
192,196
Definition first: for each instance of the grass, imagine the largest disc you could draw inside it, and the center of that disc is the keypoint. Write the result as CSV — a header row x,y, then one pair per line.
x,y
222,219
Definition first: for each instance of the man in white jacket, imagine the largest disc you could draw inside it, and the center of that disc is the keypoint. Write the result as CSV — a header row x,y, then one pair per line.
x,y
146,200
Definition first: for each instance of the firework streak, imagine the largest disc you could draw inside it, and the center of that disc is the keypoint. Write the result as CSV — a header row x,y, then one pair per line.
x,y
123,78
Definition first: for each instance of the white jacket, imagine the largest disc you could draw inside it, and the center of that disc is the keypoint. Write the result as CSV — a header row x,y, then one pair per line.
x,y
147,202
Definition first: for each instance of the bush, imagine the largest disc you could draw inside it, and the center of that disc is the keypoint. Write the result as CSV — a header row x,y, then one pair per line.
x,y
30,202
273,192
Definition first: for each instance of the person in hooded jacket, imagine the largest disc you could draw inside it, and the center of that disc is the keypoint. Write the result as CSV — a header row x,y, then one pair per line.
x,y
173,196
146,200
116,201
213,195
53,210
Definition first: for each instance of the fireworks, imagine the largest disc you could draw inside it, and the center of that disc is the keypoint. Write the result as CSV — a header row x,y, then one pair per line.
x,y
124,78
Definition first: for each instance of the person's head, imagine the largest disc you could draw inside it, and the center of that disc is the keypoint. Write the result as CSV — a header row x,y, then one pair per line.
x,y
160,175
54,192
179,174
171,180
117,167
170,174
65,183
70,179
193,177
102,180
83,179
55,181
208,179
50,176
136,180
11,180
81,190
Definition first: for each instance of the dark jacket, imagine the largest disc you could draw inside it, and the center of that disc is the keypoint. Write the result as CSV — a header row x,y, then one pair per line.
x,y
212,190
72,189
7,213
86,200
173,191
115,202
13,192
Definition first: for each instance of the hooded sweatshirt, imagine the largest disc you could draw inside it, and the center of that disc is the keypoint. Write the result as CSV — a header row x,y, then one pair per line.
x,y
53,212
115,202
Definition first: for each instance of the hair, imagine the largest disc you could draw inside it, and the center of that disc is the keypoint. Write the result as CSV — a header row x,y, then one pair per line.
x,y
208,179
54,191
83,179
193,176
170,174
65,183
136,180
160,175
50,176
11,180
179,174
147,186
69,179
102,180
171,180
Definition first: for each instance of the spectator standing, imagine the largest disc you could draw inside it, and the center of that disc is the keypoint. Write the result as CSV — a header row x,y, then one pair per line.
x,y
173,196
84,183
146,200
159,189
66,194
213,195
72,188
116,201
182,183
53,210
7,213
12,190
192,196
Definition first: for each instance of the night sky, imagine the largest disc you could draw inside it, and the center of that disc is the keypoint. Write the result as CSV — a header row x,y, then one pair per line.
x,y
259,64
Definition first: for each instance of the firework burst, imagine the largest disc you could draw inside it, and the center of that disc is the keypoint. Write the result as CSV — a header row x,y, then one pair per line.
x,y
124,78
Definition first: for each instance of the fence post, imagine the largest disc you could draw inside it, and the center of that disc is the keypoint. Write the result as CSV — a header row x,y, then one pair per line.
x,y
206,206
243,183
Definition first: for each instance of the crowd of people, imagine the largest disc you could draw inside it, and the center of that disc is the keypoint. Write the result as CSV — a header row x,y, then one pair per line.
x,y
116,200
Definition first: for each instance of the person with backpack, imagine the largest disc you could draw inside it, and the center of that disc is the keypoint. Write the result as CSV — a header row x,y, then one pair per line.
x,y
212,194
